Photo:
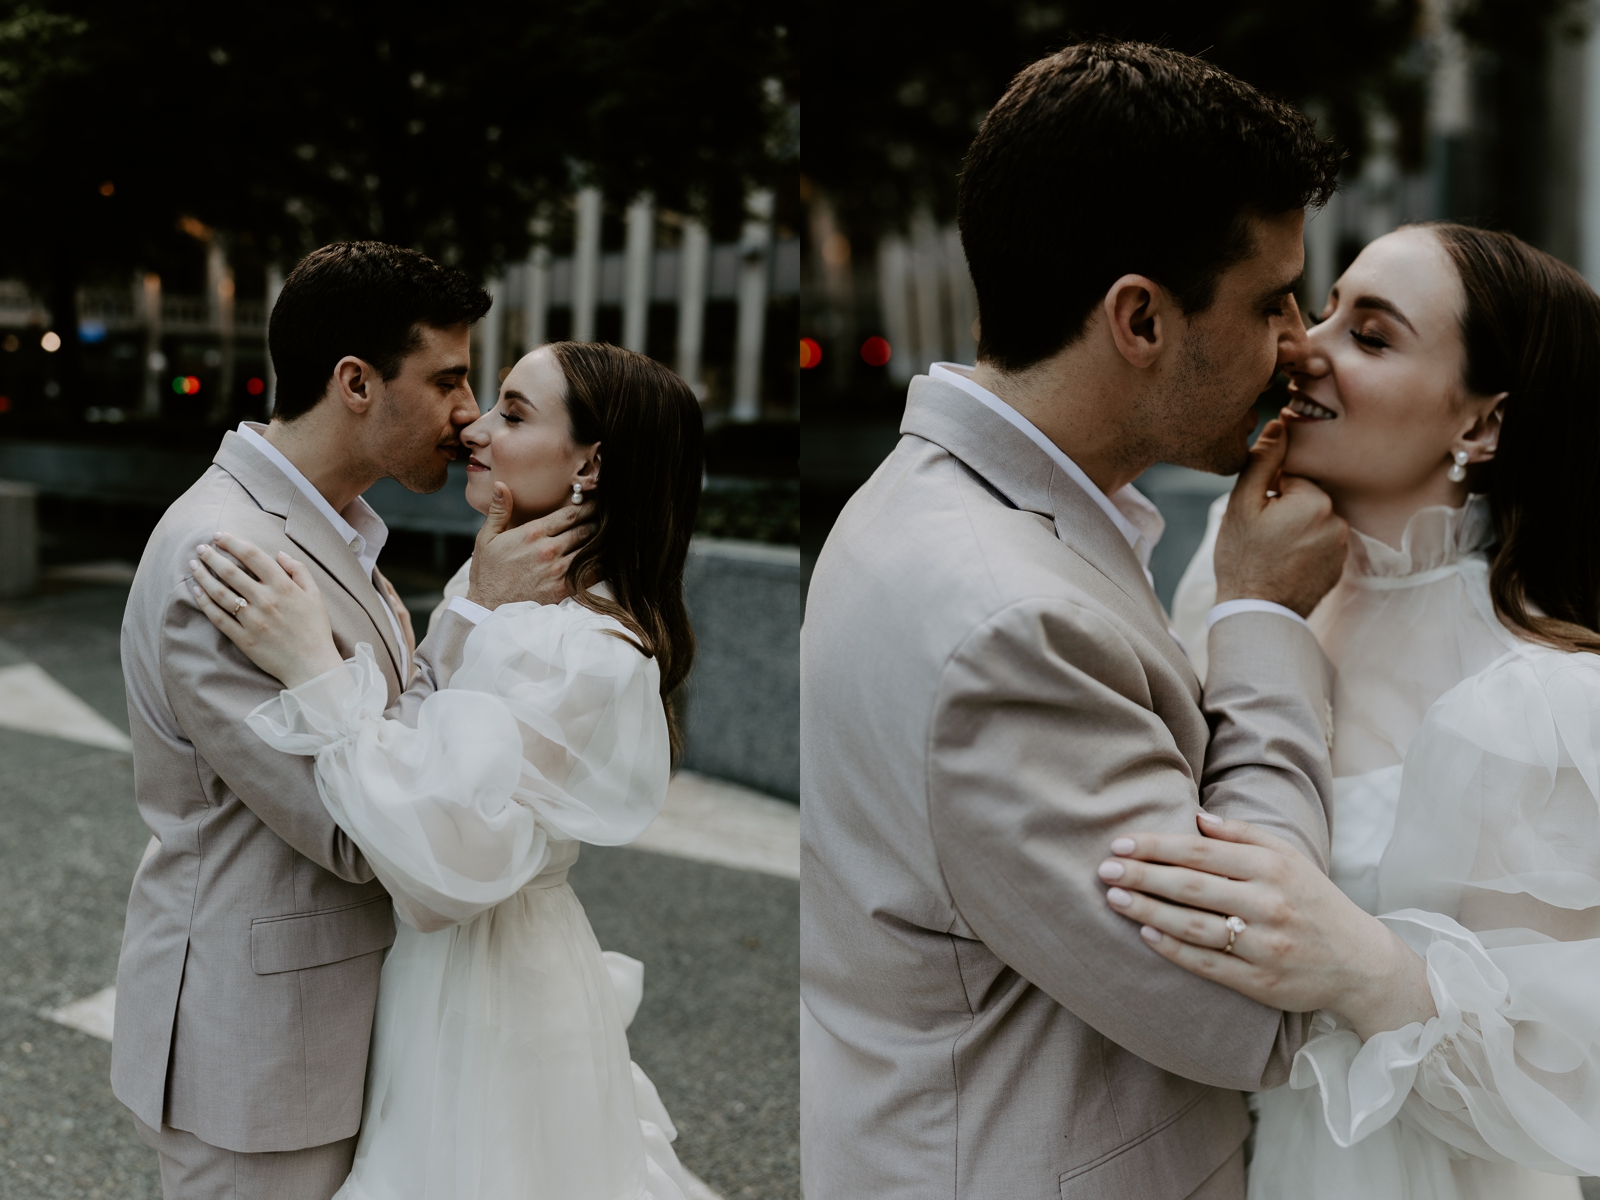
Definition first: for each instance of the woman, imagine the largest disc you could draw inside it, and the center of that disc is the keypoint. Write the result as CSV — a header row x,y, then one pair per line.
x,y
499,1064
1459,1035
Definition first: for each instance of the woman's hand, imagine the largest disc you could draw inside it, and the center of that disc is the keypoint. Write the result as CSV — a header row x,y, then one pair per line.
x,y
281,623
1305,945
402,614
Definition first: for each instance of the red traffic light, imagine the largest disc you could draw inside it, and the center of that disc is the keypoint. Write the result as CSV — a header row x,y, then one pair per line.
x,y
810,354
875,352
254,386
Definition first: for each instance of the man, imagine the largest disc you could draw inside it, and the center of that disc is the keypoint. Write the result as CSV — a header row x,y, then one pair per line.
x,y
990,692
256,931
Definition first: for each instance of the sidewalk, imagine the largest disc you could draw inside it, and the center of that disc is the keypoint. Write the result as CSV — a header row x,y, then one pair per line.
x,y
707,899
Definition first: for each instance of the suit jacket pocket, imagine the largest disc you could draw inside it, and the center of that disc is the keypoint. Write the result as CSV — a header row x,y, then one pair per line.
x,y
314,939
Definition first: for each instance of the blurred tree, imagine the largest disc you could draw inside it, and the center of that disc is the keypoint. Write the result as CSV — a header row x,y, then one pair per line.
x,y
896,89
299,122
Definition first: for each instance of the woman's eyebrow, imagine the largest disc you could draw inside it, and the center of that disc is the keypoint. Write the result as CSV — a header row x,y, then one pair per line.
x,y
518,397
1379,304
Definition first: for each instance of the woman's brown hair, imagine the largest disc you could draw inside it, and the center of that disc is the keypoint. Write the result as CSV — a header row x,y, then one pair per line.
x,y
648,424
1531,328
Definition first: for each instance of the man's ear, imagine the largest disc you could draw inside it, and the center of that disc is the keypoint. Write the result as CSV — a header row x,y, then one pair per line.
x,y
1138,312
354,382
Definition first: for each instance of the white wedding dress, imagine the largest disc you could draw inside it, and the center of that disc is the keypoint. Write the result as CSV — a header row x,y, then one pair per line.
x,y
1466,812
499,1067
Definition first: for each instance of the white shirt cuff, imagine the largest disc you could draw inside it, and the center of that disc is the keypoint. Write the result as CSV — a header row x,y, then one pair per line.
x,y
477,612
1228,607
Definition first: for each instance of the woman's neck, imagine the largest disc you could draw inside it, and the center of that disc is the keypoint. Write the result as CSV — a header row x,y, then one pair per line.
x,y
1385,515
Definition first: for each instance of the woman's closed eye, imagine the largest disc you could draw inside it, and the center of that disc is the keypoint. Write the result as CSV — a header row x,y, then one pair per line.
x,y
1370,340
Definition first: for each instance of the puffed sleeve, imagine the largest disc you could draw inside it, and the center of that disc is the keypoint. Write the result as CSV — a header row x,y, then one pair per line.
x,y
1493,878
552,729
1197,591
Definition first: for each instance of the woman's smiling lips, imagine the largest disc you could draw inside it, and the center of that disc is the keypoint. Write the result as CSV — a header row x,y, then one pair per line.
x,y
474,465
1310,410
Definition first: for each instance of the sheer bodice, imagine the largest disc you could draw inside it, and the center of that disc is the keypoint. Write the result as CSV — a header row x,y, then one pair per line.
x,y
1401,627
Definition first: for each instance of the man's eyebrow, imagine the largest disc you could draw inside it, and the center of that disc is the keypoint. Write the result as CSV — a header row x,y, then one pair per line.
x,y
457,370
1293,285
1379,304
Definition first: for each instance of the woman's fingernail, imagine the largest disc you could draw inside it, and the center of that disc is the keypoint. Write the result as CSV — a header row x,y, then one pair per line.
x,y
1111,870
193,566
1211,820
201,549
1153,936
1122,846
1119,897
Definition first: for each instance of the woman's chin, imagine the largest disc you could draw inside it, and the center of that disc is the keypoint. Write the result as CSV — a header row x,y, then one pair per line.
x,y
480,491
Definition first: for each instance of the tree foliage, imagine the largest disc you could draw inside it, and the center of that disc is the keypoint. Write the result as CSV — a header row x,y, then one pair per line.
x,y
896,89
299,122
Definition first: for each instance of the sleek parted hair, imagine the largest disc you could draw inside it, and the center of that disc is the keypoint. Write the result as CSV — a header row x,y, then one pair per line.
x,y
1111,158
365,300
1531,328
651,437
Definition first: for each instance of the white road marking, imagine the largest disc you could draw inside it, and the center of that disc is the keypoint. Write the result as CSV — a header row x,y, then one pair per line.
x,y
91,1015
30,700
711,821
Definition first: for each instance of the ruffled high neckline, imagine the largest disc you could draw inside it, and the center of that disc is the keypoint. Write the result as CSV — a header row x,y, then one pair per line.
x,y
1434,537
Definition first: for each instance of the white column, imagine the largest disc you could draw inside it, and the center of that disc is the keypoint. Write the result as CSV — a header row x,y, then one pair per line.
x,y
755,244
489,343
927,273
219,281
1589,164
586,265
155,362
1322,250
536,302
893,268
638,252
963,299
694,261
274,288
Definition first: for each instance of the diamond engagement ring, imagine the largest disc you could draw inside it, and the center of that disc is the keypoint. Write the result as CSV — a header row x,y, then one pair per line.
x,y
241,604
1235,926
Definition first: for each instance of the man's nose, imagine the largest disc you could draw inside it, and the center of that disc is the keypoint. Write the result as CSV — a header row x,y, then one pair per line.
x,y
1294,341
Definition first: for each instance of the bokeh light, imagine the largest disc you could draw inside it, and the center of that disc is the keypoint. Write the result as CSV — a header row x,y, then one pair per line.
x,y
810,354
254,386
51,342
185,385
875,352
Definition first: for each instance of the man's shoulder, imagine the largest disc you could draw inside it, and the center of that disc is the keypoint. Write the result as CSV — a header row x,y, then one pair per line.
x,y
929,542
216,502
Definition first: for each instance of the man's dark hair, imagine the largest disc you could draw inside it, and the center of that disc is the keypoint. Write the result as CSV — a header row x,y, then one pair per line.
x,y
1111,158
364,299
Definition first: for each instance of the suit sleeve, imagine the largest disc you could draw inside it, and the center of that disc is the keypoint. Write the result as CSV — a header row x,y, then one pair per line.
x,y
1044,747
1267,701
211,687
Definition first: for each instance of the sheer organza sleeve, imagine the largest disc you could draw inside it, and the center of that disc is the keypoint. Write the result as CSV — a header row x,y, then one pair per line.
x,y
552,729
1493,877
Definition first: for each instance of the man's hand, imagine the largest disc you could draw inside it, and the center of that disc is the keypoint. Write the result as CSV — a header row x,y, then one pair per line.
x,y
529,562
1288,548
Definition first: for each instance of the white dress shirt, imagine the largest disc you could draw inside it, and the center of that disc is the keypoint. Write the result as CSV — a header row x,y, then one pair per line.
x,y
1139,521
358,527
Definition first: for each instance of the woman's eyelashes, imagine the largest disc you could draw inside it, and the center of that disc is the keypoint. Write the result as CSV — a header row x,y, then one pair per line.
x,y
1370,340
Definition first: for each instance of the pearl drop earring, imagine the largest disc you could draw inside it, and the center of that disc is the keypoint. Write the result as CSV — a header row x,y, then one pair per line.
x,y
1458,472
577,493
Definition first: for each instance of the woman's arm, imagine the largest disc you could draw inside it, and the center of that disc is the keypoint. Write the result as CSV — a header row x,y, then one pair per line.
x,y
1305,945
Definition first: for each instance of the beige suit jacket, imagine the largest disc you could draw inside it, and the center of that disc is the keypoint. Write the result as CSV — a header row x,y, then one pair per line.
x,y
989,694
255,933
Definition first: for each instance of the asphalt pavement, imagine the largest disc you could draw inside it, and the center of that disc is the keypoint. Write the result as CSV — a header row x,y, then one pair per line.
x,y
717,1031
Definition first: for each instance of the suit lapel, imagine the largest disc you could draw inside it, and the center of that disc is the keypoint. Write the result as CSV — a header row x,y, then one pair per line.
x,y
309,530
1026,476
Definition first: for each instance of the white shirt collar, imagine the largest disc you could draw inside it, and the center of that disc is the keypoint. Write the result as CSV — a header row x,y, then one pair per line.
x,y
358,527
1139,521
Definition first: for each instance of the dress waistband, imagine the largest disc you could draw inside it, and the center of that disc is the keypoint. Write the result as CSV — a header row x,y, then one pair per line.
x,y
549,879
